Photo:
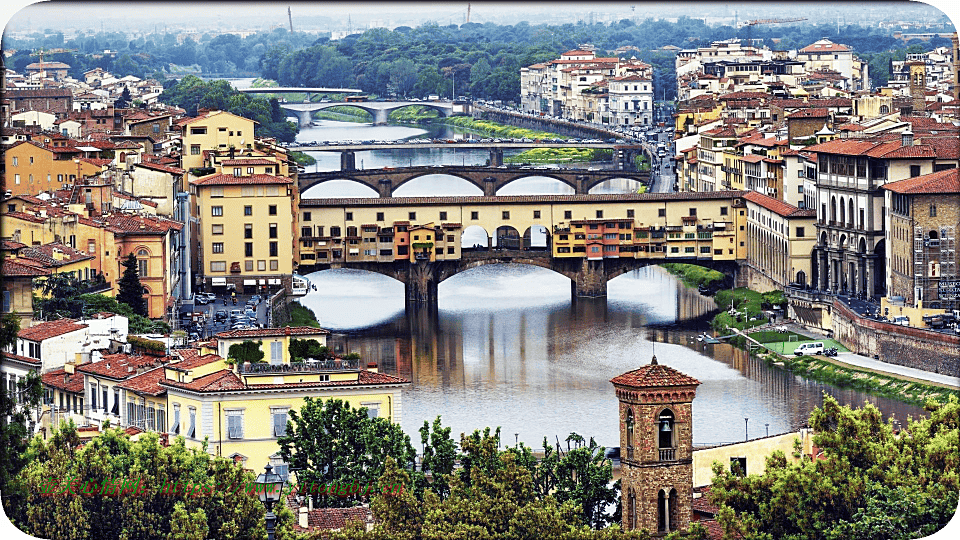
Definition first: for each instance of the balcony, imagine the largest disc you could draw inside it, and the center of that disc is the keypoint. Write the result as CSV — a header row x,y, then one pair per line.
x,y
309,366
668,454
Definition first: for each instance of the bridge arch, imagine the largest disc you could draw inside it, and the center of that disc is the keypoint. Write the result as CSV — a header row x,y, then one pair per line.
x,y
532,233
471,237
418,175
347,183
532,261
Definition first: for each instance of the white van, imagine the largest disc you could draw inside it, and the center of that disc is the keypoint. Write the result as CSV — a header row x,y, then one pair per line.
x,y
809,348
901,320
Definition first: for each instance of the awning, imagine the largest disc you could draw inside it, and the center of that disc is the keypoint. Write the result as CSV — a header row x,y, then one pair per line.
x,y
274,281
221,281
249,282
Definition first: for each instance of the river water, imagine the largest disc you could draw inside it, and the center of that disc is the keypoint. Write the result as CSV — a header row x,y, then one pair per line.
x,y
509,347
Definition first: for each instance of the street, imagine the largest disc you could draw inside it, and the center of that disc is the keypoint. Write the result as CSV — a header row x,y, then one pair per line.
x,y
212,326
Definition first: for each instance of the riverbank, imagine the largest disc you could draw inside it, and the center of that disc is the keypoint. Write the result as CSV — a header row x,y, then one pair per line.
x,y
535,155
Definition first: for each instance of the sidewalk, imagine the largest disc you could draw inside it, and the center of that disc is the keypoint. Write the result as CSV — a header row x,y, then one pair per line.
x,y
857,360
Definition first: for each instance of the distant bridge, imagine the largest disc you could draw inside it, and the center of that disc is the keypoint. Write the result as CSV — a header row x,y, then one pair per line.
x,y
488,179
298,90
379,109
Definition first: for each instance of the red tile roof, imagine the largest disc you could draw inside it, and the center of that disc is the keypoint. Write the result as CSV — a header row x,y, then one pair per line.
x,y
226,380
654,375
229,179
45,254
213,382
329,519
21,359
947,181
872,148
824,45
159,167
777,206
248,161
127,223
191,358
145,383
123,365
817,112
273,332
13,268
49,329
68,382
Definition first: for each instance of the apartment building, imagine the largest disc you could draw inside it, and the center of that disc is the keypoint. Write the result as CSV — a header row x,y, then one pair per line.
x,y
780,237
825,55
212,130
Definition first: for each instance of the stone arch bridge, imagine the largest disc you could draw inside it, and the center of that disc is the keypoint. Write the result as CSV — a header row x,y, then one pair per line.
x,y
488,179
379,109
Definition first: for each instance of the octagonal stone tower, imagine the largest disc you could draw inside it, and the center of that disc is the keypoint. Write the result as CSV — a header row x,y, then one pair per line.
x,y
656,447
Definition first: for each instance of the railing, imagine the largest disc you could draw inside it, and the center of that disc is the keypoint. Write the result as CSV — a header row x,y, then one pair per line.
x,y
668,454
309,366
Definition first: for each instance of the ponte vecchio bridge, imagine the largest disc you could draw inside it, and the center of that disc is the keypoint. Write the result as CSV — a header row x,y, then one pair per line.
x,y
421,241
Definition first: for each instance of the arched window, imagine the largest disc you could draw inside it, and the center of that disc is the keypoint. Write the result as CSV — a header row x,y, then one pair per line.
x,y
631,510
850,213
833,209
629,428
665,428
843,216
884,109
933,235
674,513
143,262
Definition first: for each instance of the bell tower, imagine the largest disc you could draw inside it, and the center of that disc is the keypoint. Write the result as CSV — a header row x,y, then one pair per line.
x,y
918,85
656,448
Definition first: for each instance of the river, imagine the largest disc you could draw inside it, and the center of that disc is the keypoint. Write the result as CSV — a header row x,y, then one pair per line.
x,y
509,347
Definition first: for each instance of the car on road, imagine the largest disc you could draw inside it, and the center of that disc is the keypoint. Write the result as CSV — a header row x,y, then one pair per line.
x,y
221,315
809,348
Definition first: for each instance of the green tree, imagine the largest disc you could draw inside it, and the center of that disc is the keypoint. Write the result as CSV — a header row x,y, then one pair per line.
x,y
9,328
307,348
439,456
131,291
330,442
867,473
124,100
61,298
16,425
246,351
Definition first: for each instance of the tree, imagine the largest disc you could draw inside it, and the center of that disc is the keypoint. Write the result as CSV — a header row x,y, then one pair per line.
x,y
16,425
124,100
439,456
9,328
867,473
246,351
307,348
328,441
61,298
131,291
171,492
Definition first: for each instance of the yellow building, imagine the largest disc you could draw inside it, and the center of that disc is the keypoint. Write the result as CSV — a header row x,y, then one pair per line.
x,y
780,238
240,412
213,130
18,281
248,224
32,168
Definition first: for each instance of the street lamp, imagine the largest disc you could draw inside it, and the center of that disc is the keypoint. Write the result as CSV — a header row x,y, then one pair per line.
x,y
269,490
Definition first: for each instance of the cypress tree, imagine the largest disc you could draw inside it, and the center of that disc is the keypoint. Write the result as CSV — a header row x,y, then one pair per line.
x,y
131,291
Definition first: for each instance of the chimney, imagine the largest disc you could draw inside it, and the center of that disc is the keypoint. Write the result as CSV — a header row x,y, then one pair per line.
x,y
302,518
906,138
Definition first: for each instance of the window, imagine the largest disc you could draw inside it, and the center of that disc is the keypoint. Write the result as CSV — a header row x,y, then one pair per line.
x,y
334,231
235,424
249,170
723,210
800,232
142,266
192,430
373,409
248,210
914,171
474,215
412,216
279,422
274,265
276,352
506,214
93,395
349,216
218,266
693,212
307,216
273,249
599,214
217,247
198,131
630,213
568,214
216,211
91,246
272,210
273,230
14,161
248,230
248,266
933,210
248,249
176,419
443,216
217,229
194,149
216,191
238,171
661,212
261,266
306,231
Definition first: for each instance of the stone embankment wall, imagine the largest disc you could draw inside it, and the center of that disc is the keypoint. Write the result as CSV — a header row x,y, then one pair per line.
x,y
936,352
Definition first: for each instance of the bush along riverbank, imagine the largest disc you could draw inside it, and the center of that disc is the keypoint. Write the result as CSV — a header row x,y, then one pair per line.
x,y
344,114
534,155
414,115
494,129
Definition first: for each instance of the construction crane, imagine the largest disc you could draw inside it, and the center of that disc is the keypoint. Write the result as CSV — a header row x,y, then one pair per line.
x,y
755,22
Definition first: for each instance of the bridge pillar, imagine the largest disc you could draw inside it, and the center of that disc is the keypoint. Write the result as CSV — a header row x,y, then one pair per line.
x,y
496,156
348,160
489,186
421,285
581,188
590,280
380,117
304,118
385,187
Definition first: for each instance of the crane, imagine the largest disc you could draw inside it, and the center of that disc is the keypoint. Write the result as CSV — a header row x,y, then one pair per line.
x,y
755,22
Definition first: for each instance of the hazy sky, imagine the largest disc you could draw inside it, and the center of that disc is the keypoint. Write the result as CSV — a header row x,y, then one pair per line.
x,y
26,16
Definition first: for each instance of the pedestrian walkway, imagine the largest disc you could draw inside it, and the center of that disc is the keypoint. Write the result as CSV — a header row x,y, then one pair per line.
x,y
857,360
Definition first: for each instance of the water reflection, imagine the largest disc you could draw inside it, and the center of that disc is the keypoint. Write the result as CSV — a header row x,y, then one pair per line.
x,y
508,347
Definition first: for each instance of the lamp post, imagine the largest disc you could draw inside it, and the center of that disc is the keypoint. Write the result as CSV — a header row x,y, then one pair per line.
x,y
269,490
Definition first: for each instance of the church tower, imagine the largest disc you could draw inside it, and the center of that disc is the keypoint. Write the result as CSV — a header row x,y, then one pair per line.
x,y
918,85
656,448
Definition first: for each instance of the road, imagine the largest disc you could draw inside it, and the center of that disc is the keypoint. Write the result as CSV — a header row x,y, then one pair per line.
x,y
663,175
211,326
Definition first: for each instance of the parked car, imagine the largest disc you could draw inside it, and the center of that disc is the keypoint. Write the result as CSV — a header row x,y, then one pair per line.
x,y
221,315
809,348
901,320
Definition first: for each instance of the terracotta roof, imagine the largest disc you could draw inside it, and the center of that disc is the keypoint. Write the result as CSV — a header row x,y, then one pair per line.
x,y
49,329
817,112
12,268
123,365
329,519
229,179
10,244
21,359
824,45
191,358
226,380
946,147
159,167
127,223
213,382
69,382
45,254
248,161
947,181
513,199
145,383
273,332
752,158
873,148
777,206
702,503
654,375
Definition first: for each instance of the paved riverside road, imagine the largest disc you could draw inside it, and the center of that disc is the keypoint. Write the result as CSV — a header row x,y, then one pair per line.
x,y
858,360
